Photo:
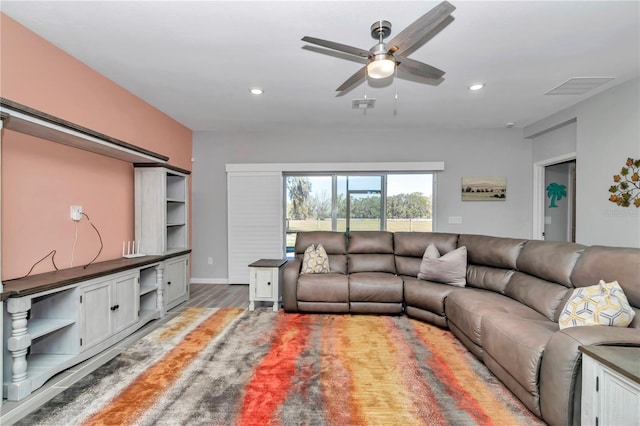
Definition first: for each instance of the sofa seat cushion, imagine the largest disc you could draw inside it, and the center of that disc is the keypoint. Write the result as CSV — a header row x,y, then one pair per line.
x,y
466,307
375,287
375,308
517,345
323,288
426,294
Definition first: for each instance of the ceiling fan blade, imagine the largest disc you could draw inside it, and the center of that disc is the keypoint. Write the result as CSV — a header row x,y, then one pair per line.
x,y
336,54
405,75
428,24
352,82
418,68
338,46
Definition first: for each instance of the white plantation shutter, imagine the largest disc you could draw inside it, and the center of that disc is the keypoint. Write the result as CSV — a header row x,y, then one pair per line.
x,y
255,220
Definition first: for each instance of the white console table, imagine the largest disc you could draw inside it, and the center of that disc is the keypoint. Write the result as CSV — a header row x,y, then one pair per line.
x,y
55,320
265,282
610,385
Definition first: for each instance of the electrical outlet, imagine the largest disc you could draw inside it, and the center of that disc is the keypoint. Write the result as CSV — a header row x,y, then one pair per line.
x,y
210,260
76,213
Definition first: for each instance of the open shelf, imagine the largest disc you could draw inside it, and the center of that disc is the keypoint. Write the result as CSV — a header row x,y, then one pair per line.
x,y
147,315
32,122
162,208
176,189
41,327
147,289
40,363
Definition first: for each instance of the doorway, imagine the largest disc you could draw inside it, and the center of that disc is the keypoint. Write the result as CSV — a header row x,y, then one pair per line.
x,y
557,189
559,208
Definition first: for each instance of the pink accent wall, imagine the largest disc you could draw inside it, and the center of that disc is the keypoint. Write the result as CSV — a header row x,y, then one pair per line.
x,y
41,179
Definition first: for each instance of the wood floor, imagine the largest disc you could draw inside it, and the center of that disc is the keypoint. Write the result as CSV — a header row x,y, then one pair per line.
x,y
200,295
218,296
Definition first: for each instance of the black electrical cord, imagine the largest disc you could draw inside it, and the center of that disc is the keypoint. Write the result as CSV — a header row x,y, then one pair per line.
x,y
53,260
99,237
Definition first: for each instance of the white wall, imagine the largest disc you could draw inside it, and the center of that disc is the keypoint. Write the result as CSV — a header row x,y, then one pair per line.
x,y
493,152
607,132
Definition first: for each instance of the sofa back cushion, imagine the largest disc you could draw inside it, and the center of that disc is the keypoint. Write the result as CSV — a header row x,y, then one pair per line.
x,y
409,247
371,251
334,243
492,251
550,260
611,264
488,278
546,297
491,260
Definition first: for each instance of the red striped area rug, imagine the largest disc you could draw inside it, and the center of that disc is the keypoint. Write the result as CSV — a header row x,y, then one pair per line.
x,y
234,367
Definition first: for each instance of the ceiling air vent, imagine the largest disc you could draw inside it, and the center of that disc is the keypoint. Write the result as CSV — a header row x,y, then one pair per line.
x,y
363,103
579,85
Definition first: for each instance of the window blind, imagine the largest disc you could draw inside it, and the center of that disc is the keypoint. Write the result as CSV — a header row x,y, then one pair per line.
x,y
255,220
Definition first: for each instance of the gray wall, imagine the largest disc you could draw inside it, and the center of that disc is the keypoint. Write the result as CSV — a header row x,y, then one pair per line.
x,y
558,142
493,152
608,131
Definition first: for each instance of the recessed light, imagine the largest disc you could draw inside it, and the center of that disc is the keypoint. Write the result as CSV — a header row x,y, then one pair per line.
x,y
476,86
256,91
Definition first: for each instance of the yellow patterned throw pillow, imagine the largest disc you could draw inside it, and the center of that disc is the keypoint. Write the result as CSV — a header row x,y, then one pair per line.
x,y
600,304
315,260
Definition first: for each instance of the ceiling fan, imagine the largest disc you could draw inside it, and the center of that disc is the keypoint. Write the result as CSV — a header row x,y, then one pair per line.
x,y
383,59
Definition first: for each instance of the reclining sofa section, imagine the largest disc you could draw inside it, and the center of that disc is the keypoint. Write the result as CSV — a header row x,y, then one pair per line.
x,y
507,315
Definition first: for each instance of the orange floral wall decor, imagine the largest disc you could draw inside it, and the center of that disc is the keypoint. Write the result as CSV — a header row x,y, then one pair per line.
x,y
626,190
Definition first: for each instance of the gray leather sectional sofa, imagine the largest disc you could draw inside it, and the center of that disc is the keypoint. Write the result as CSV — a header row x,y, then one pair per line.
x,y
507,315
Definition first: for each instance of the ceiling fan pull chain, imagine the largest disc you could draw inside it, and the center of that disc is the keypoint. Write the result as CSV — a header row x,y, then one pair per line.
x,y
366,82
395,97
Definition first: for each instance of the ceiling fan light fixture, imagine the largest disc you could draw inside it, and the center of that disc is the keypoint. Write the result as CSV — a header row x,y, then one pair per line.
x,y
476,86
382,66
256,91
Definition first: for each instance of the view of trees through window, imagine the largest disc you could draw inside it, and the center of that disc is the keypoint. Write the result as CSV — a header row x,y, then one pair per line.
x,y
393,202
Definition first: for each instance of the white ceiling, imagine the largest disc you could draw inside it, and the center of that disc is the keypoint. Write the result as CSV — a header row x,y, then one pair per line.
x,y
197,60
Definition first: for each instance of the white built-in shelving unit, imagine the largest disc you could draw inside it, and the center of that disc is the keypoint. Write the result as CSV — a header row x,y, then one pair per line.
x,y
162,223
55,320
162,210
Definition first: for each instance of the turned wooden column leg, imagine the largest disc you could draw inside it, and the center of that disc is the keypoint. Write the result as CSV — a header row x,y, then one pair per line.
x,y
160,292
18,346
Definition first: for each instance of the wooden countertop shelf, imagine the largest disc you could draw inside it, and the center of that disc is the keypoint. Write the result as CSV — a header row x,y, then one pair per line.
x,y
51,280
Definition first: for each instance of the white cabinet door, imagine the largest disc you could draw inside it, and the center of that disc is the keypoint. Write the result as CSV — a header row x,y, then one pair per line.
x,y
175,281
125,302
264,283
95,313
108,307
608,398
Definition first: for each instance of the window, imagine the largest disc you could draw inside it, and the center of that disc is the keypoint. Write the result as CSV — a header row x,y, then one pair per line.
x,y
409,202
350,202
308,206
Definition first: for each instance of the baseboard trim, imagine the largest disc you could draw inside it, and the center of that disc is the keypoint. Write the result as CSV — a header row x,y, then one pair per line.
x,y
209,281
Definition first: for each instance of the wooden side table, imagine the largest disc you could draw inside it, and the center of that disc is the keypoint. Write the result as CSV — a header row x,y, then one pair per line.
x,y
265,282
610,385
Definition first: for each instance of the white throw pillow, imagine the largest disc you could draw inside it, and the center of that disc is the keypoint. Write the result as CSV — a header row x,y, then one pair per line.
x,y
600,304
315,260
451,268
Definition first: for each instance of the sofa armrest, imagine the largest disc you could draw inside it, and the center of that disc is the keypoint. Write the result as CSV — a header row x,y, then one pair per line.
x,y
290,284
560,372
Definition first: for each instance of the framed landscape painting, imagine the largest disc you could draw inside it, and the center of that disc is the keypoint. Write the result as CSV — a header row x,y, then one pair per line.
x,y
484,188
